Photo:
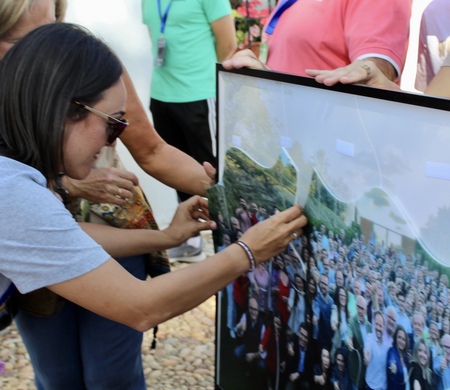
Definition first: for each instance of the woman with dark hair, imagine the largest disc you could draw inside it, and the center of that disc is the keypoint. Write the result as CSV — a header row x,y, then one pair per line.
x,y
113,347
260,282
397,361
322,371
297,304
339,321
421,376
340,378
62,100
312,311
281,291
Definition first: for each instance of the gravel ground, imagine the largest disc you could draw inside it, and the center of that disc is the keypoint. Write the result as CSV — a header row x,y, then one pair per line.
x,y
183,358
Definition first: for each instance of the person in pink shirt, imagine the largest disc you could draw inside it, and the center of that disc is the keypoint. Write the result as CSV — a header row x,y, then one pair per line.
x,y
323,34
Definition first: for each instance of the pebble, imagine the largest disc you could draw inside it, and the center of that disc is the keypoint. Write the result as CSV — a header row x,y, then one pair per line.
x,y
183,358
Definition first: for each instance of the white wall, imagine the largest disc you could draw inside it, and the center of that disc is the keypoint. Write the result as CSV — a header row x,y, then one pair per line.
x,y
119,23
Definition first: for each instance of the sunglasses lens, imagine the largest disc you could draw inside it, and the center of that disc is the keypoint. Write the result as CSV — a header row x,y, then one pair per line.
x,y
115,129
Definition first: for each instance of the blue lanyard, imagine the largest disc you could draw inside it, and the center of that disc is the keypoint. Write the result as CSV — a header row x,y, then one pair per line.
x,y
163,17
283,6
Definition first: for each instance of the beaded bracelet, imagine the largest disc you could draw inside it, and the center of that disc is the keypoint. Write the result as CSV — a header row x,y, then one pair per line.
x,y
249,253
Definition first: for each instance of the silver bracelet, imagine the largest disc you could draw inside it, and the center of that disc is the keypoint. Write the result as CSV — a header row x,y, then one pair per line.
x,y
249,253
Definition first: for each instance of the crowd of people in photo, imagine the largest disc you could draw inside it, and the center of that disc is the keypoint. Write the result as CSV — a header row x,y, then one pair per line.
x,y
338,312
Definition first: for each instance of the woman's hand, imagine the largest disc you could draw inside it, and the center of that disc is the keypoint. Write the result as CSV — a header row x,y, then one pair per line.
x,y
191,217
393,367
271,236
103,185
244,59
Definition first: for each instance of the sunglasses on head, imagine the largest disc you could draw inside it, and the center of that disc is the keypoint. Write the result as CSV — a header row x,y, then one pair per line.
x,y
115,126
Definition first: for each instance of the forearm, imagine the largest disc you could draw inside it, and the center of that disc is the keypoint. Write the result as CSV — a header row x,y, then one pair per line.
x,y
165,163
129,242
385,66
225,35
144,304
178,170
210,276
440,85
224,52
102,185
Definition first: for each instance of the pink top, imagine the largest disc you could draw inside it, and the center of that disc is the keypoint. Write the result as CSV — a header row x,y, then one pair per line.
x,y
327,34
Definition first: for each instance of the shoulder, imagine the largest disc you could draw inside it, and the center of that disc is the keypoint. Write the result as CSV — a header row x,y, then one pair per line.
x,y
216,9
392,351
21,186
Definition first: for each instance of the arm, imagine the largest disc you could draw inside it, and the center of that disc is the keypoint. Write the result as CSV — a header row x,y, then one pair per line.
x,y
319,377
367,351
225,35
439,365
142,305
350,335
334,317
130,242
244,59
391,362
290,304
385,67
157,158
241,327
440,85
265,338
372,42
355,73
102,185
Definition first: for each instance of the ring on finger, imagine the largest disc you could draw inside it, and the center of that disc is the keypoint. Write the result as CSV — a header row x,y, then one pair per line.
x,y
295,235
366,68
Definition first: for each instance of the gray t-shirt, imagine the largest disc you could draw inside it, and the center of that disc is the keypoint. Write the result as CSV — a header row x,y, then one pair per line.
x,y
40,242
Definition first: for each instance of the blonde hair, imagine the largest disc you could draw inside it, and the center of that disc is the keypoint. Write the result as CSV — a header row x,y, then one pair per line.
x,y
10,13
426,371
60,10
12,10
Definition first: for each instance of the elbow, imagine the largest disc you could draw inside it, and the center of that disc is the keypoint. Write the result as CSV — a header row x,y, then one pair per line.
x,y
138,323
143,324
142,320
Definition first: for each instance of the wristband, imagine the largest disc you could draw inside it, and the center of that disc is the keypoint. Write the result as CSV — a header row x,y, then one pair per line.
x,y
61,190
249,253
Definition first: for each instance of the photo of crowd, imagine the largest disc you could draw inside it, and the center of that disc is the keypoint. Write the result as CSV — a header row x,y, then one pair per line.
x,y
338,309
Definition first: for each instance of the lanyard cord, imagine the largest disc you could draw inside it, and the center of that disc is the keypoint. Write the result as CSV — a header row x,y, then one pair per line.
x,y
284,5
162,17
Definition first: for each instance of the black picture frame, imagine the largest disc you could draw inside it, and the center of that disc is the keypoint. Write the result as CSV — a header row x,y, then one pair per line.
x,y
387,155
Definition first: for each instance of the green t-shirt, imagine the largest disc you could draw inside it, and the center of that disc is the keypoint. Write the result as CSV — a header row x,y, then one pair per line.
x,y
188,73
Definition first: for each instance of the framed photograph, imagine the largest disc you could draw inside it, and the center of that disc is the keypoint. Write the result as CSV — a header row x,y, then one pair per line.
x,y
365,291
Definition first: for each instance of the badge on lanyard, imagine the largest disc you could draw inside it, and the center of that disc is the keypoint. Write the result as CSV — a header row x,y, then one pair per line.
x,y
161,44
159,60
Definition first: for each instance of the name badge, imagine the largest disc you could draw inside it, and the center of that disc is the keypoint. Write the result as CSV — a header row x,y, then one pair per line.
x,y
159,60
